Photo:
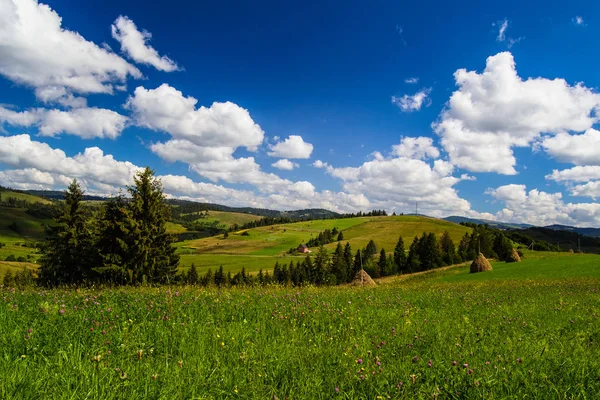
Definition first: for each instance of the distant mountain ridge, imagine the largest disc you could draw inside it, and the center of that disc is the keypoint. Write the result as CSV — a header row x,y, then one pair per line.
x,y
592,232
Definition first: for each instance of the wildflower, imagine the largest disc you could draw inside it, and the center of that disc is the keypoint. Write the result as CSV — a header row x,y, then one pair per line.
x,y
429,364
415,359
29,330
359,361
23,356
466,365
180,363
454,363
62,311
140,353
378,363
337,390
154,377
519,360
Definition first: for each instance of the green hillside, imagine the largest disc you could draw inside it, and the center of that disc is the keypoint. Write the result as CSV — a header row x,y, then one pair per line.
x,y
262,247
6,194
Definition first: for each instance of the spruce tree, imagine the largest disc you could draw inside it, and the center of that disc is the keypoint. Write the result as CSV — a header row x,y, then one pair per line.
x,y
413,263
340,237
116,228
448,249
192,275
400,255
320,266
382,269
70,255
153,253
348,259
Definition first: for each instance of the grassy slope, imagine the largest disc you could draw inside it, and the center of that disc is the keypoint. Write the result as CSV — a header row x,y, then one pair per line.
x,y
6,194
14,267
229,218
266,245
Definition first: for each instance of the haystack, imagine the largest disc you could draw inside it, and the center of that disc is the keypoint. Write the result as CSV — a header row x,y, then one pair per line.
x,y
362,279
513,257
571,251
480,264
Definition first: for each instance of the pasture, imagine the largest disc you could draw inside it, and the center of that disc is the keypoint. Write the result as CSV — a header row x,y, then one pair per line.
x,y
524,330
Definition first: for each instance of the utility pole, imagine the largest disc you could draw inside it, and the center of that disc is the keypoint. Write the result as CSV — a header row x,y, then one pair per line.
x,y
417,208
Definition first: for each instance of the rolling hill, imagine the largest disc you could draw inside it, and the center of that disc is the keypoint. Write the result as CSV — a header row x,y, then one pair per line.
x,y
262,247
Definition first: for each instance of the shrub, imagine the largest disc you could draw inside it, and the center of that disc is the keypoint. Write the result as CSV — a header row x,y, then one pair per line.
x,y
11,258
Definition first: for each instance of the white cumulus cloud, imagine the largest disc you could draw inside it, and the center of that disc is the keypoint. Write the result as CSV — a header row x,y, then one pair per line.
x,y
541,208
87,123
581,149
496,110
416,147
135,44
285,164
35,50
292,147
408,103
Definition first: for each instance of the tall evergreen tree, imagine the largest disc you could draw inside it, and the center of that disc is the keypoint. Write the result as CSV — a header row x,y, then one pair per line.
x,y
369,251
413,263
348,259
357,263
192,275
116,227
400,255
448,249
339,268
382,267
70,255
153,253
320,266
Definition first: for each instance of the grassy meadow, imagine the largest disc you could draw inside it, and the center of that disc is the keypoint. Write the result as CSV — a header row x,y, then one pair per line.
x,y
263,246
524,330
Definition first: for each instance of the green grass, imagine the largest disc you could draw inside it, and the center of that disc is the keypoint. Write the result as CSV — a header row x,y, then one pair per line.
x,y
6,194
229,218
14,267
522,335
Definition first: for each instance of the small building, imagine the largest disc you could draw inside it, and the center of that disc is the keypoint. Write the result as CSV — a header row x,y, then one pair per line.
x,y
303,249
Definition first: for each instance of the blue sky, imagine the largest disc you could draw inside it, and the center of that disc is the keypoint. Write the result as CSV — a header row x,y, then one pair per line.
x,y
322,90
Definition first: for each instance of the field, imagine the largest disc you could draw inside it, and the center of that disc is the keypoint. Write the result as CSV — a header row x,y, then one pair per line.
x,y
229,218
6,194
524,330
263,246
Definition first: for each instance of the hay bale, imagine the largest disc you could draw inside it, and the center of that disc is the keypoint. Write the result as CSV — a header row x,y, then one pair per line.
x,y
362,279
513,257
571,251
480,264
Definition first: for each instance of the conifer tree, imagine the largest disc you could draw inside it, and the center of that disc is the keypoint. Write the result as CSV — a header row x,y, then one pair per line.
x,y
339,268
153,253
448,250
348,260
369,251
413,263
71,253
357,264
400,255
382,269
116,227
320,266
340,237
192,275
